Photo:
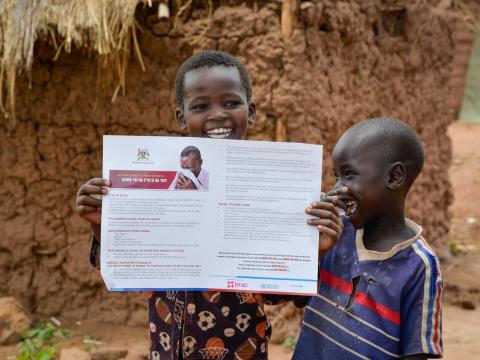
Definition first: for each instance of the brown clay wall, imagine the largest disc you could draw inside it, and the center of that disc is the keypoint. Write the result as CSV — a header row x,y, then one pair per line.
x,y
346,60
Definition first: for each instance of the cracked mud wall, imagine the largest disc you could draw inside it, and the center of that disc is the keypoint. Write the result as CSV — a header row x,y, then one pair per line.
x,y
345,61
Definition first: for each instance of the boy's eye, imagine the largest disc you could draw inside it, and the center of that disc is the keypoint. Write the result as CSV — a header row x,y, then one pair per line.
x,y
199,107
349,172
231,103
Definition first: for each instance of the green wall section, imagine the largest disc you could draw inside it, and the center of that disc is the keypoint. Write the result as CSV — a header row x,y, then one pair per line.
x,y
470,112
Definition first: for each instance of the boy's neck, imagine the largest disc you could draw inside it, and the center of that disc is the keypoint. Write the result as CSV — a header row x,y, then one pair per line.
x,y
383,233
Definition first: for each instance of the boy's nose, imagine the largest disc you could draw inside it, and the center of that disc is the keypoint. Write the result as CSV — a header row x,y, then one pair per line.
x,y
338,184
217,113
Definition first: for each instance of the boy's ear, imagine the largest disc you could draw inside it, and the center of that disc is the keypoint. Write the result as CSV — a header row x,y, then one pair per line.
x,y
252,113
397,175
180,117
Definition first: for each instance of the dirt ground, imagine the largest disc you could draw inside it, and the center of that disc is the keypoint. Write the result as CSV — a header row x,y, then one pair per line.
x,y
461,312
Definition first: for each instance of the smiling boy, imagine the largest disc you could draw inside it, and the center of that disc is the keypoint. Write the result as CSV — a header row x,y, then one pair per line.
x,y
381,287
213,100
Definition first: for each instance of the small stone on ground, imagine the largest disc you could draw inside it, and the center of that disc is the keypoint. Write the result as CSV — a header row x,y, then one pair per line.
x,y
74,353
13,320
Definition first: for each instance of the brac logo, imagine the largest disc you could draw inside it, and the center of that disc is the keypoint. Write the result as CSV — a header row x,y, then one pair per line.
x,y
143,154
236,284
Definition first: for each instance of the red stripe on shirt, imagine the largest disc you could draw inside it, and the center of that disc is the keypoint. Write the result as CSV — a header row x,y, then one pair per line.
x,y
360,298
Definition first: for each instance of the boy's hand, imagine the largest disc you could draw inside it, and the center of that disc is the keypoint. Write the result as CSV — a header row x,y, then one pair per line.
x,y
90,207
328,219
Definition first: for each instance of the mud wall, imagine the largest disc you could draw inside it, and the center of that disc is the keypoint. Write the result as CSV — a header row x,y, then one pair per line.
x,y
346,60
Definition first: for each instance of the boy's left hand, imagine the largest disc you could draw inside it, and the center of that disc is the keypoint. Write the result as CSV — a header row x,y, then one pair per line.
x,y
328,220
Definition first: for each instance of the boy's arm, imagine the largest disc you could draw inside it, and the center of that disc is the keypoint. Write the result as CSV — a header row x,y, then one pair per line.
x,y
421,306
89,207
95,253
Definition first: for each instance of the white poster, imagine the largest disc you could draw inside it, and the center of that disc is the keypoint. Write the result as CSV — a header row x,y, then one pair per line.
x,y
205,214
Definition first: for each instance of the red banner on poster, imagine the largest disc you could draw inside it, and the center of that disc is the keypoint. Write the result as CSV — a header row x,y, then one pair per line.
x,y
132,179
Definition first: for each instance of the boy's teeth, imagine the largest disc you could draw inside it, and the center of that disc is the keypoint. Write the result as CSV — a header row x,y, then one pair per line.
x,y
351,207
219,133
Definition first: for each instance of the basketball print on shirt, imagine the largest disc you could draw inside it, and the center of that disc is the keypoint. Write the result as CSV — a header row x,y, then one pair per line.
x,y
214,349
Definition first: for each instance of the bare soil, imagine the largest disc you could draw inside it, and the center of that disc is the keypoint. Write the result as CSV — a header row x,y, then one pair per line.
x,y
461,271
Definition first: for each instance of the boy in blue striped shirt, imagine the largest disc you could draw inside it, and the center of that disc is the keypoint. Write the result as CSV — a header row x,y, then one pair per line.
x,y
381,286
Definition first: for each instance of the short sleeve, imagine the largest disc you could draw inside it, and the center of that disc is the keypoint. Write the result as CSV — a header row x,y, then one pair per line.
x,y
421,308
95,253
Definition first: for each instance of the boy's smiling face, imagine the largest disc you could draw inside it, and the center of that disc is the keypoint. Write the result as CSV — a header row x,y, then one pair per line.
x,y
360,165
215,104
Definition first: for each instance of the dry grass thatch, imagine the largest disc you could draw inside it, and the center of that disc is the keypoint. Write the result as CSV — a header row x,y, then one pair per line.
x,y
107,27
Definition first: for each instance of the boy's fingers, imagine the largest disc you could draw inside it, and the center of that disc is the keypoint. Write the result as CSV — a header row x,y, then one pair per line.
x,y
339,203
99,182
324,214
324,206
91,189
84,209
332,200
89,201
328,224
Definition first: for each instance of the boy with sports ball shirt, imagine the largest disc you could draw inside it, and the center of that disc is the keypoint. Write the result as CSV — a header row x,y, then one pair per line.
x,y
213,100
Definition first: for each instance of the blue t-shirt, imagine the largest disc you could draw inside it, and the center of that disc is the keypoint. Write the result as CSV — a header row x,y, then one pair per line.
x,y
374,305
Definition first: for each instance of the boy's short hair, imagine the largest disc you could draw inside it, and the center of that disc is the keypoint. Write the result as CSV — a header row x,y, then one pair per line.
x,y
210,58
191,150
399,142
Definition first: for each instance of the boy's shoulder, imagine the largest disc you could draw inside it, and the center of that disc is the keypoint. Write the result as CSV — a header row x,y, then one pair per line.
x,y
406,261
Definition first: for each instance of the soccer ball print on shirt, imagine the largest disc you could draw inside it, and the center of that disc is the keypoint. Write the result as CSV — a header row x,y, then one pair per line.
x,y
242,321
207,325
206,320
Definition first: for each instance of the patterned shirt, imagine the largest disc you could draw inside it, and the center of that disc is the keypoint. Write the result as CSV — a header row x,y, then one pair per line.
x,y
194,325
374,305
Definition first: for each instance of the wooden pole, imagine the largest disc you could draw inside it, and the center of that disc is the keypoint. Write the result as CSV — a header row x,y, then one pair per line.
x,y
287,24
288,18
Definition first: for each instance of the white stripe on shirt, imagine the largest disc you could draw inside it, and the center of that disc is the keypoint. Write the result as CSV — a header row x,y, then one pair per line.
x,y
334,341
356,336
358,318
426,294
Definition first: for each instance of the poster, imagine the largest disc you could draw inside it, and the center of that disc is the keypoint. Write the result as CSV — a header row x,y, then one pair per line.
x,y
206,214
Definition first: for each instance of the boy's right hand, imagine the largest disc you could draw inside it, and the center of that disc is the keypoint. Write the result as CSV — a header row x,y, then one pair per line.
x,y
89,207
327,219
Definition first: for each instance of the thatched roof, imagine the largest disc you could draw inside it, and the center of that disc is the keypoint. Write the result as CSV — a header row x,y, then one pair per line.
x,y
107,27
